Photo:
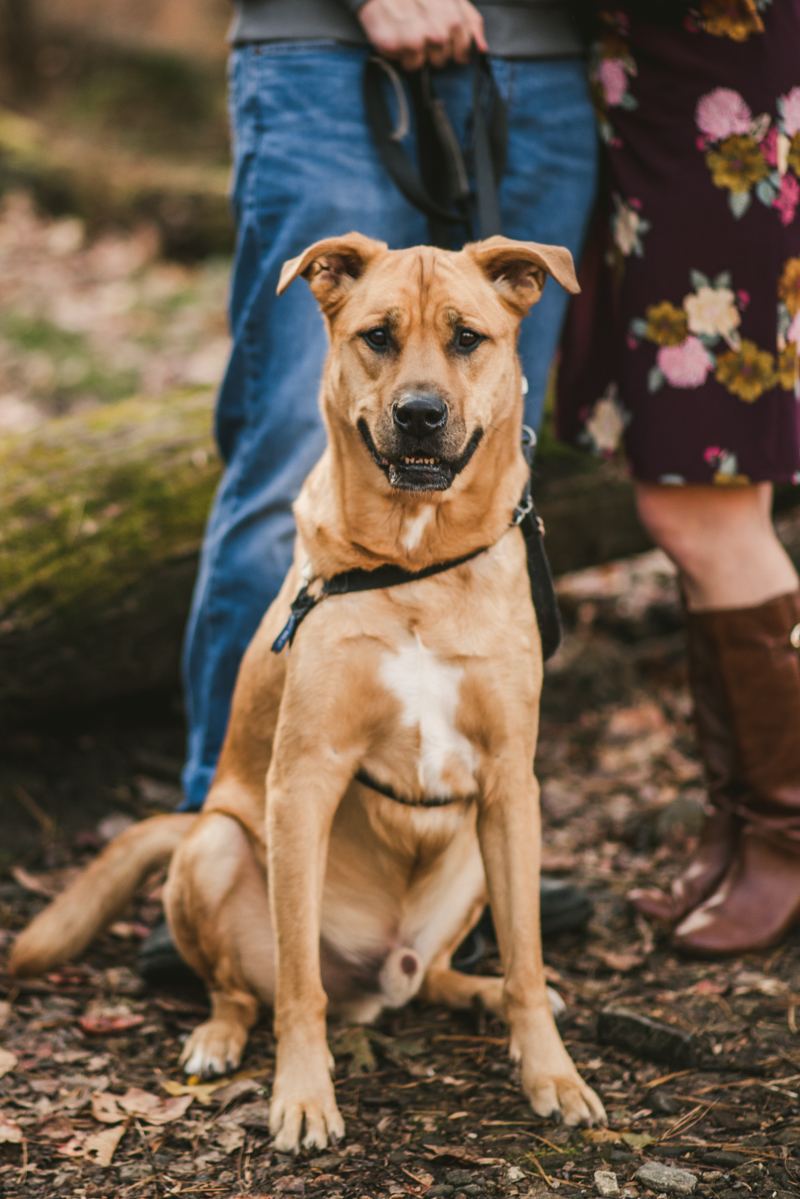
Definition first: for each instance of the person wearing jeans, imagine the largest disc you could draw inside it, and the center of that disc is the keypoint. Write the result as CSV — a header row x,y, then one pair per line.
x,y
306,167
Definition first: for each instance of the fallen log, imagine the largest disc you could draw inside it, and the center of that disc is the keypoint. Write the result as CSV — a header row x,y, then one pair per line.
x,y
101,516
186,201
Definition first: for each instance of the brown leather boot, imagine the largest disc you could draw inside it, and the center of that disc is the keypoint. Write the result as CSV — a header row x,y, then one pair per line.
x,y
719,837
757,902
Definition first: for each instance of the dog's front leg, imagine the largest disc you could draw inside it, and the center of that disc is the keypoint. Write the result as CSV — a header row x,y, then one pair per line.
x,y
510,837
305,784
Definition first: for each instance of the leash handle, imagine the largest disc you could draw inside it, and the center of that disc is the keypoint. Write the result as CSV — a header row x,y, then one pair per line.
x,y
440,189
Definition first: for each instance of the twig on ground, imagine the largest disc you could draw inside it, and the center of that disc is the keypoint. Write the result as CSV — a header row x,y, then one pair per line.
x,y
150,1159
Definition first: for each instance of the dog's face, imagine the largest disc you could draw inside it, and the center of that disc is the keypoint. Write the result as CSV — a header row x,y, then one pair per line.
x,y
423,345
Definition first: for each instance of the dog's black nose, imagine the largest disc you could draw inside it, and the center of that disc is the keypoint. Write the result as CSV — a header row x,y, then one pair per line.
x,y
420,414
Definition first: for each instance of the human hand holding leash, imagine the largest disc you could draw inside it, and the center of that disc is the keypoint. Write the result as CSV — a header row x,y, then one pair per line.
x,y
416,32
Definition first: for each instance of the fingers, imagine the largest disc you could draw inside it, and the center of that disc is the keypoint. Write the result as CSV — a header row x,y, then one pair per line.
x,y
470,30
415,32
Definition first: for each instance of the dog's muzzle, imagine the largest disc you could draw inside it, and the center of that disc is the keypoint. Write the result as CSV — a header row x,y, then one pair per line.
x,y
417,463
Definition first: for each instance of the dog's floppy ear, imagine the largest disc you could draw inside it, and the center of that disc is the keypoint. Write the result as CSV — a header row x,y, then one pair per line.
x,y
332,266
517,269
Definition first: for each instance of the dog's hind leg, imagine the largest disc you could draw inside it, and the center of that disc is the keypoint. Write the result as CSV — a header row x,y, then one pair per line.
x,y
460,991
218,911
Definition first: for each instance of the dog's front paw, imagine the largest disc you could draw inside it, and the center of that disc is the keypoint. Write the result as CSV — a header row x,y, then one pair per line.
x,y
562,1095
304,1112
214,1047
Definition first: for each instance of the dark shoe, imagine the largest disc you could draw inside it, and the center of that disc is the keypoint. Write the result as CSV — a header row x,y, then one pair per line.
x,y
564,907
758,900
161,965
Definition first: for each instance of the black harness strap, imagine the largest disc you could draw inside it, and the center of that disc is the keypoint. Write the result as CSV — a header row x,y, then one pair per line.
x,y
541,582
367,780
358,580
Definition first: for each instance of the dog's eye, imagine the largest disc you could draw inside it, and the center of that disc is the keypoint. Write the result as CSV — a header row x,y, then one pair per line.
x,y
377,338
467,339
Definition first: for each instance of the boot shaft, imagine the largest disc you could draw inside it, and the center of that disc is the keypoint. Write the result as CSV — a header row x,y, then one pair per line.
x,y
746,675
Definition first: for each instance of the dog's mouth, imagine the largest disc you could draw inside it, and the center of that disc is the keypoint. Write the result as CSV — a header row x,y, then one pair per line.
x,y
418,470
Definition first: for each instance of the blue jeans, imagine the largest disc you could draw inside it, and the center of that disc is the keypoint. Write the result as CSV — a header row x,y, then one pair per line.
x,y
305,167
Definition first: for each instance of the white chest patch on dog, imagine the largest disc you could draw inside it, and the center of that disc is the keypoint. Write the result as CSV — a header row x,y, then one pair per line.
x,y
415,526
429,690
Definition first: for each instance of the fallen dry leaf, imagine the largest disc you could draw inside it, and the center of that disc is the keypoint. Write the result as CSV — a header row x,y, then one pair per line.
x,y
600,1136
104,1023
8,1061
74,1146
707,986
105,1109
748,982
153,1110
30,882
202,1091
289,1185
75,1099
126,930
637,1140
104,1142
622,962
10,1131
57,1128
229,1136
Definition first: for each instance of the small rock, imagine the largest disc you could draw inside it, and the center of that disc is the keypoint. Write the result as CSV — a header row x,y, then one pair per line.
x,y
712,1175
458,1178
682,818
659,1177
515,1174
723,1158
606,1183
441,1189
647,1038
661,1103
134,1172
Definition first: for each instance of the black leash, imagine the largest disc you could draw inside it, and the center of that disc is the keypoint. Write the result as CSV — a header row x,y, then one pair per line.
x,y
543,592
441,190
541,582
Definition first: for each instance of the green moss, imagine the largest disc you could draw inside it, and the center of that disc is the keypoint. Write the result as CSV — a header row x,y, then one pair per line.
x,y
93,502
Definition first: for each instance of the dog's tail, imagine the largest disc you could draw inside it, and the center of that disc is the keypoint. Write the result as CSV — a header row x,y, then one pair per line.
x,y
98,896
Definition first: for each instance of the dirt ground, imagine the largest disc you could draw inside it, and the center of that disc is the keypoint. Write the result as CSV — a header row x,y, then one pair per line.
x,y
93,1102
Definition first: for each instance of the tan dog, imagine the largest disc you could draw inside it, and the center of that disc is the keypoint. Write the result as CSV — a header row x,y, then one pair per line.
x,y
429,690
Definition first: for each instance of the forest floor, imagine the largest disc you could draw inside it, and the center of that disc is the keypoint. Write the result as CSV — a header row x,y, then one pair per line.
x,y
93,1102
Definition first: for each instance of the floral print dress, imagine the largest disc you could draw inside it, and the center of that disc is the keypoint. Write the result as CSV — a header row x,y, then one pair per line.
x,y
683,346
